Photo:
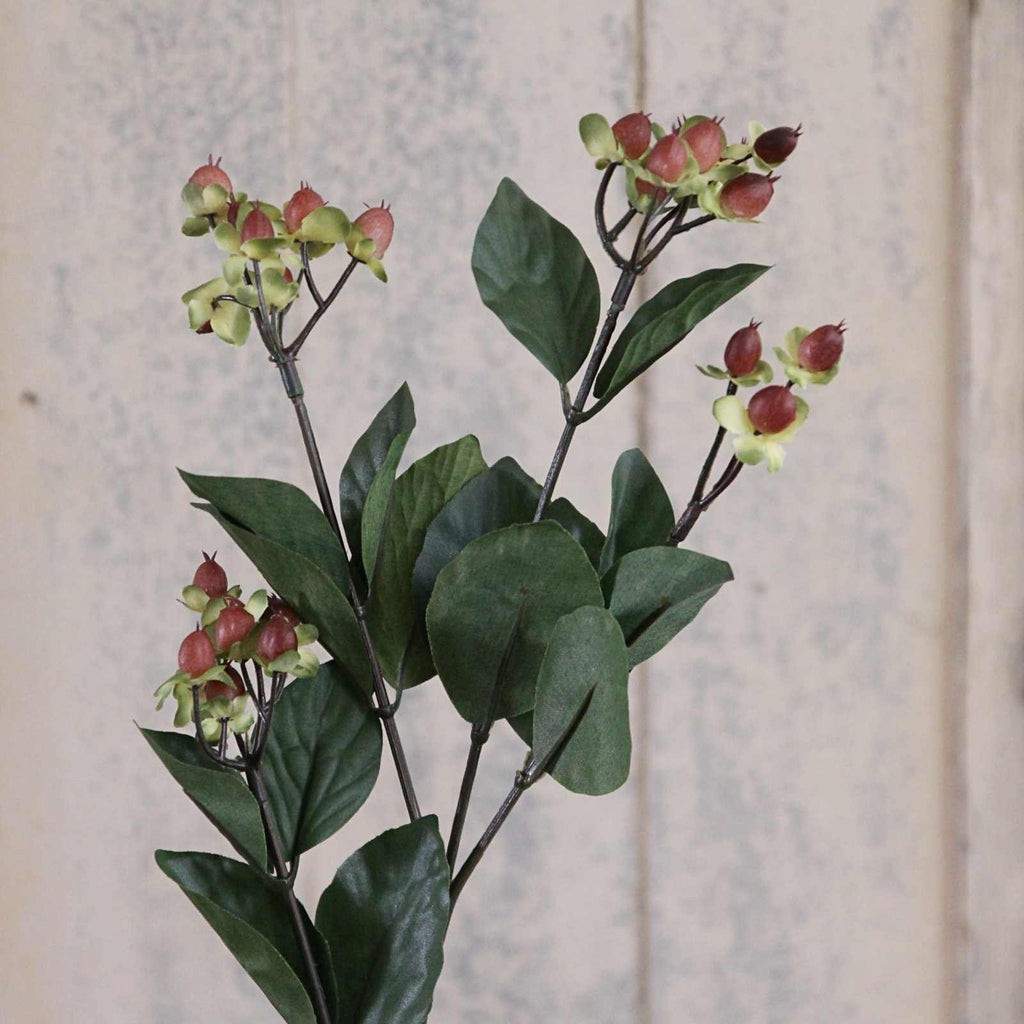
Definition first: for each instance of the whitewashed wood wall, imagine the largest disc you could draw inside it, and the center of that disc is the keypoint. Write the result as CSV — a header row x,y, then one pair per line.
x,y
826,816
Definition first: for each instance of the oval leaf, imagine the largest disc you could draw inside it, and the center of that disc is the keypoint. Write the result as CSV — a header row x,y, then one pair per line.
x,y
641,514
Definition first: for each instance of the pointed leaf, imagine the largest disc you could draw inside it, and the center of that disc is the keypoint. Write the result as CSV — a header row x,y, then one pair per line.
x,y
378,501
641,514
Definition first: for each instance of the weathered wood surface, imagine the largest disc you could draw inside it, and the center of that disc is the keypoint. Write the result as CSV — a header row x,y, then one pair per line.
x,y
799,795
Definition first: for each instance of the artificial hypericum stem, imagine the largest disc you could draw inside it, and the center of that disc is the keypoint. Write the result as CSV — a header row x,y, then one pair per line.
x,y
678,229
313,290
293,349
204,745
709,462
602,226
621,224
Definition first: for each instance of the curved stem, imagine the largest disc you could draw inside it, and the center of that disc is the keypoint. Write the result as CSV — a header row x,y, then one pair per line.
x,y
300,339
313,290
599,218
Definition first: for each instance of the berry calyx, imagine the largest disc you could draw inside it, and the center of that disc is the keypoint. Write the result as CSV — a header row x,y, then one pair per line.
x,y
233,624
276,637
668,158
772,409
774,145
743,351
633,133
196,654
217,689
210,577
257,225
210,173
377,223
707,141
747,196
821,349
301,204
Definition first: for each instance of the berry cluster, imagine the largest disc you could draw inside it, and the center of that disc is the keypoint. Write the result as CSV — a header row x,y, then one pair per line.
x,y
268,249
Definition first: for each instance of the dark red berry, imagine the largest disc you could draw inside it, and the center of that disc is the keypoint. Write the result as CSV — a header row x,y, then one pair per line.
x,y
207,328
233,212
304,202
707,140
217,689
257,225
233,624
210,577
747,195
645,188
275,606
775,145
668,158
211,174
276,637
196,654
633,133
821,349
743,351
772,409
378,224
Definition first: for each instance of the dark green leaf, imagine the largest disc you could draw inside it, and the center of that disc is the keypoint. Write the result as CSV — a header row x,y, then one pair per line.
x,y
586,657
477,598
384,916
277,512
416,498
532,272
322,757
249,911
657,591
586,533
641,514
368,455
378,503
219,792
308,590
663,321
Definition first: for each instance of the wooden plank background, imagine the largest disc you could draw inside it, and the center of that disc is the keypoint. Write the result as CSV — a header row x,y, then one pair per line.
x,y
824,819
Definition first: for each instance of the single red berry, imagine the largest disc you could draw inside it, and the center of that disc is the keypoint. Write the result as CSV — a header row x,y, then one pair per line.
x,y
378,224
233,624
276,637
196,654
747,195
257,225
211,174
217,689
707,141
207,328
821,349
772,409
775,145
668,158
743,351
288,275
233,212
645,188
633,133
210,577
302,203
275,606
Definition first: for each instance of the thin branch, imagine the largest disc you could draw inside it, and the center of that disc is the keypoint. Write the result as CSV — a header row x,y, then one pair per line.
x,y
300,339
599,218
313,290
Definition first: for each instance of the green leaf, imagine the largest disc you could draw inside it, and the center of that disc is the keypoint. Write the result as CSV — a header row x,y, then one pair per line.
x,y
655,592
312,594
384,916
368,455
218,792
378,502
664,320
477,599
586,533
532,272
586,658
641,514
416,498
230,322
321,758
249,911
278,512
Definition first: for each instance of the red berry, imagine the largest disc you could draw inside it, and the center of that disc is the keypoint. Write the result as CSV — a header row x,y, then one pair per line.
x,y
747,195
275,606
772,409
304,202
645,188
378,224
668,158
233,212
743,352
233,624
633,133
207,328
211,174
775,145
217,689
276,637
196,654
821,349
210,577
707,140
257,225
